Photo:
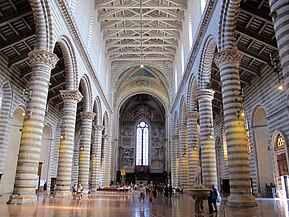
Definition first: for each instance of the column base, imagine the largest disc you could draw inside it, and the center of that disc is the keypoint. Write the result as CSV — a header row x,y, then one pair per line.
x,y
241,201
62,194
22,199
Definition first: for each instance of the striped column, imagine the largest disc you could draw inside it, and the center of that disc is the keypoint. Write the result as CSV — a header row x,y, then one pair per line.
x,y
193,145
84,148
29,152
238,158
96,155
106,164
70,99
280,8
183,156
208,155
174,172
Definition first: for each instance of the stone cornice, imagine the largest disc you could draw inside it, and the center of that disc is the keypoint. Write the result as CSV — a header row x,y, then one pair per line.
x,y
43,57
87,115
201,31
205,94
227,57
80,45
71,94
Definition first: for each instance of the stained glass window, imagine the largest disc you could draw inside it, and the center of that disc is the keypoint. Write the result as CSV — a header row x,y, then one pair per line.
x,y
142,144
280,141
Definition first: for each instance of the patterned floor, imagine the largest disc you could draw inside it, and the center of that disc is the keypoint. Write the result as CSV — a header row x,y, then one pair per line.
x,y
128,205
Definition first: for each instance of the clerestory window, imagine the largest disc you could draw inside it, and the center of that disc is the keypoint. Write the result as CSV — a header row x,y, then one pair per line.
x,y
142,146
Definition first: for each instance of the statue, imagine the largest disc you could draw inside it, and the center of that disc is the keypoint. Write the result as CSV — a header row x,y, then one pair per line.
x,y
198,177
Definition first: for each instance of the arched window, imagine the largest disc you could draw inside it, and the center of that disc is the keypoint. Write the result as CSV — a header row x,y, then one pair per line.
x,y
142,144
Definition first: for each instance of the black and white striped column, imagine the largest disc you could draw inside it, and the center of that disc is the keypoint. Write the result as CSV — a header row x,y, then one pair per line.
x,y
96,155
193,145
238,158
29,152
106,164
70,99
174,172
183,156
280,14
84,148
208,154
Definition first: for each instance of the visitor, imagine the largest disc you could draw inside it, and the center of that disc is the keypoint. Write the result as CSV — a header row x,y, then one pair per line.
x,y
142,192
214,197
79,191
170,190
74,191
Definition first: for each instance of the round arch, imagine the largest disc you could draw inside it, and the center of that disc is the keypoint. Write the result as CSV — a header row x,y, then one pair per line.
x,y
183,110
191,94
227,25
262,149
44,25
280,165
205,65
97,110
86,92
70,62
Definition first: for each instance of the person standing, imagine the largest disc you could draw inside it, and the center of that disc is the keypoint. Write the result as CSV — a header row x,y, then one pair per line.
x,y
214,197
79,191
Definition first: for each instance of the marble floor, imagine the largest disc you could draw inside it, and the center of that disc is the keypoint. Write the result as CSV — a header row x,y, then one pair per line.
x,y
128,205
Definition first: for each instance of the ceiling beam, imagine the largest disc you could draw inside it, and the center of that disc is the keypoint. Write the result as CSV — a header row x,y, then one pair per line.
x,y
18,39
257,38
138,18
138,28
138,52
157,7
258,58
144,59
139,37
18,15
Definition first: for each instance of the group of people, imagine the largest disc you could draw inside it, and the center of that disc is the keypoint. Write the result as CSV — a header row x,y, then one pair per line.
x,y
77,191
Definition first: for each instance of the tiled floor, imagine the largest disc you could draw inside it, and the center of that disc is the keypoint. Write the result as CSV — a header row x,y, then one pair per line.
x,y
127,205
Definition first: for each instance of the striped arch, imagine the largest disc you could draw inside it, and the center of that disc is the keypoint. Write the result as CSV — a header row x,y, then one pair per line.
x,y
191,94
5,109
227,25
70,63
87,93
183,111
106,123
44,25
97,111
207,57
176,122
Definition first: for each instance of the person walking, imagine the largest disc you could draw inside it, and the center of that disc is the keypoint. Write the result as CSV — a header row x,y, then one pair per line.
x,y
79,191
214,197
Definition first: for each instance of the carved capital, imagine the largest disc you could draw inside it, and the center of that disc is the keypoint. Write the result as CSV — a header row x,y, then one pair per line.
x,y
192,115
205,94
43,57
71,94
87,115
98,127
183,127
228,57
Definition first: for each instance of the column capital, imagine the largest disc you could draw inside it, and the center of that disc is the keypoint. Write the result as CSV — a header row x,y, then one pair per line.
x,y
193,115
205,94
87,115
71,94
182,126
228,56
98,127
43,57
